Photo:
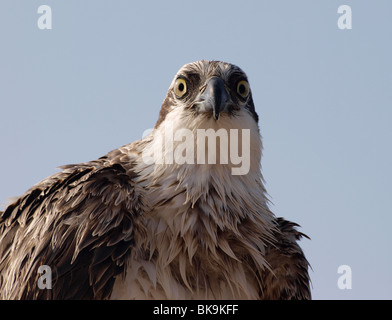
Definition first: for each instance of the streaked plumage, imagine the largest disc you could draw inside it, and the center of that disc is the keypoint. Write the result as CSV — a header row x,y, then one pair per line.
x,y
121,228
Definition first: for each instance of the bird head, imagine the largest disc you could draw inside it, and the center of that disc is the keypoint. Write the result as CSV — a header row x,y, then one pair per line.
x,y
209,90
207,102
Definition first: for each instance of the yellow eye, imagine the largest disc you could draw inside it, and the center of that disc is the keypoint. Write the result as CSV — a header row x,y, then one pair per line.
x,y
243,88
180,87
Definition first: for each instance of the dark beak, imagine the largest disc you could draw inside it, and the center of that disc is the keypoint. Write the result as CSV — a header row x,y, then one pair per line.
x,y
214,98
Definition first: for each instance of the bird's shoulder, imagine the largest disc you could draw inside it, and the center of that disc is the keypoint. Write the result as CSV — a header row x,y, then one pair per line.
x,y
287,277
80,222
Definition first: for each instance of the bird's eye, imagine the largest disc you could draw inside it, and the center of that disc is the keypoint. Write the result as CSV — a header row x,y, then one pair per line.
x,y
180,87
243,88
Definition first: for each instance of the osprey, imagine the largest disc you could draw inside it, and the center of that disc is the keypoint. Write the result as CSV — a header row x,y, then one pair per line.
x,y
174,215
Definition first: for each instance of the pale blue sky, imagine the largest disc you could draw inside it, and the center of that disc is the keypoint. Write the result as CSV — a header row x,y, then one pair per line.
x,y
97,79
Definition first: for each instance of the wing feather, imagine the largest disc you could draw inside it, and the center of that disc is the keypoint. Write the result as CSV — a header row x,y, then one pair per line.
x,y
288,277
80,222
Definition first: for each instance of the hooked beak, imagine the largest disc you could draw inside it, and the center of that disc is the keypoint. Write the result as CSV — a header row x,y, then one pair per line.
x,y
214,98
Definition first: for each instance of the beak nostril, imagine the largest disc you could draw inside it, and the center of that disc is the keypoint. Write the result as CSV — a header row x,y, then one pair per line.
x,y
214,98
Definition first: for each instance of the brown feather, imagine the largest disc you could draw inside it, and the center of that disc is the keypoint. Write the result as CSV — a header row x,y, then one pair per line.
x,y
76,233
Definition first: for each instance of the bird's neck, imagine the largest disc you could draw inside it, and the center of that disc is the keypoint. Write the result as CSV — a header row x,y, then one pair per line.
x,y
201,157
202,146
196,209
